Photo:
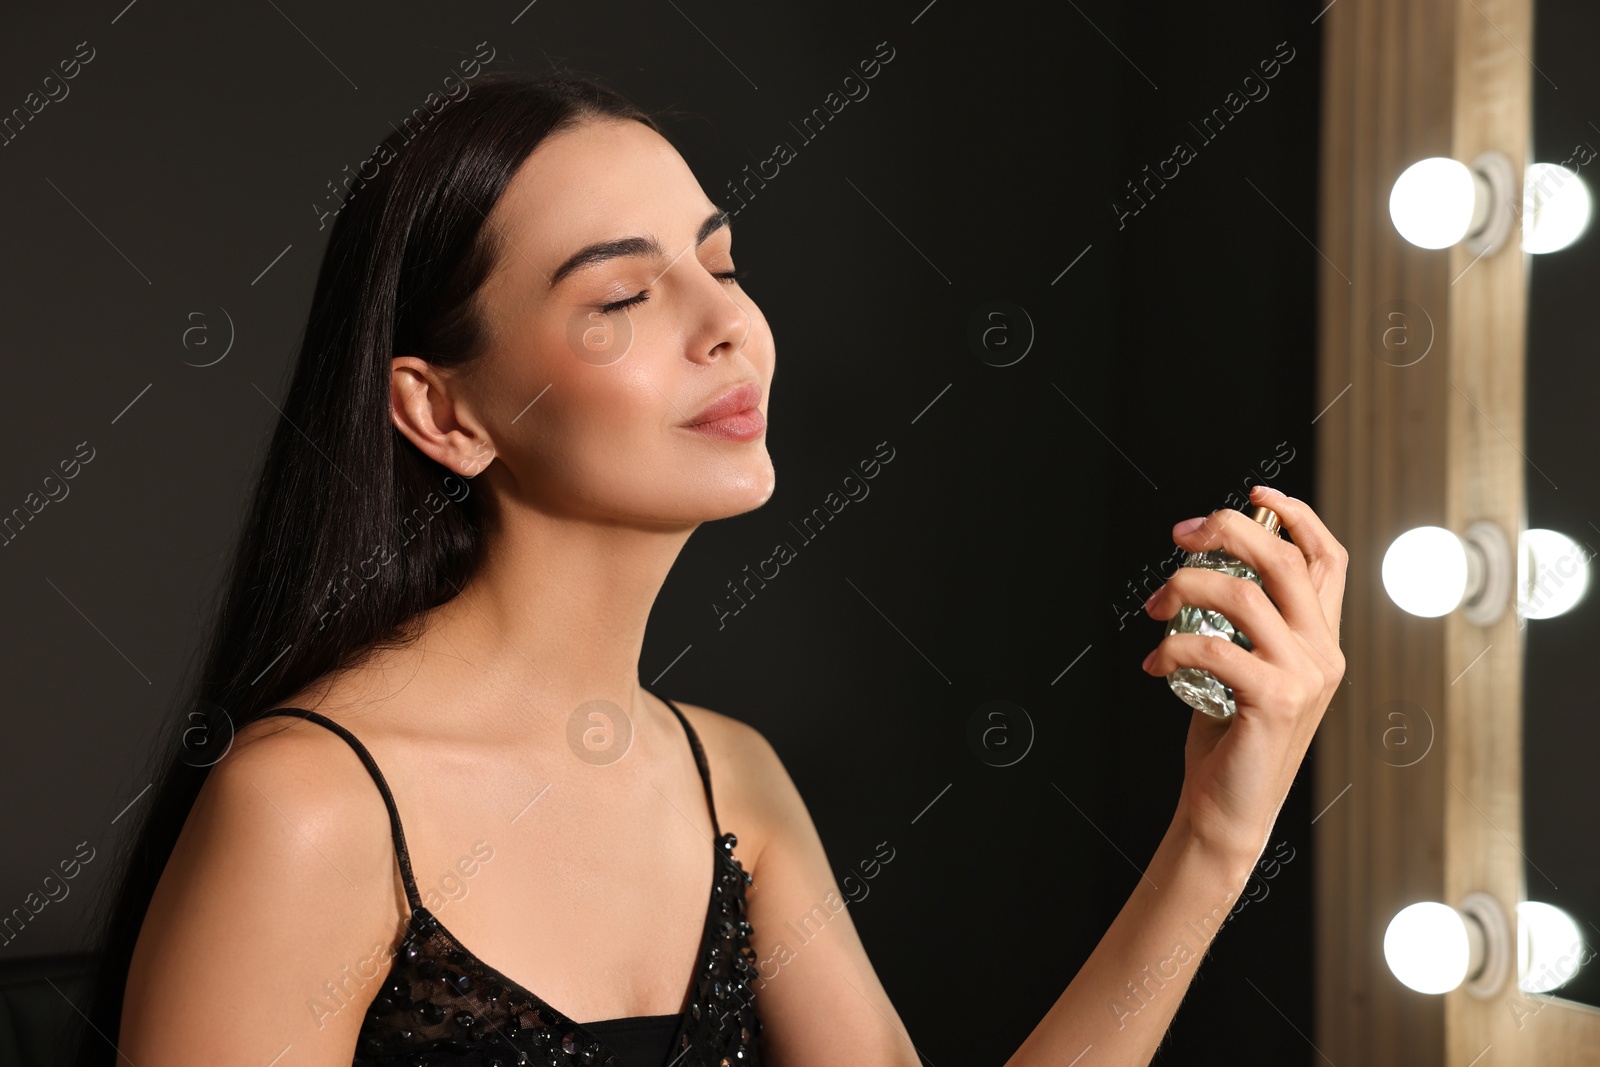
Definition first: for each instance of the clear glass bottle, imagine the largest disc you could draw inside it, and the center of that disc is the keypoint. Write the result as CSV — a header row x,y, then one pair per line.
x,y
1200,689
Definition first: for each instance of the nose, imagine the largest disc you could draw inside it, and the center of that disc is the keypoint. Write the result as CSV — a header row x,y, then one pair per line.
x,y
726,322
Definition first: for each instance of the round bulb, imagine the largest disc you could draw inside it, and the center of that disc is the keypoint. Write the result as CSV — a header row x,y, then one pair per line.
x,y
1555,207
1426,947
1552,574
1425,571
1549,946
1432,202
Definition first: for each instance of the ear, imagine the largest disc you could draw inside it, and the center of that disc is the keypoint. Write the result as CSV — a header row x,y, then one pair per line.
x,y
425,406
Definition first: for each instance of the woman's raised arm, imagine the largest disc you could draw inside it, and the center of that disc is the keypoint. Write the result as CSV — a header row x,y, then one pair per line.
x,y
1237,773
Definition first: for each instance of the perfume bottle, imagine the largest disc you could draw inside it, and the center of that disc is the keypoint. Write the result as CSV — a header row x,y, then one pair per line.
x,y
1199,689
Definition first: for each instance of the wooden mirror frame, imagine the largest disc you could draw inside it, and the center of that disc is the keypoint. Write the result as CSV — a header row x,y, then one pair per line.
x,y
1438,442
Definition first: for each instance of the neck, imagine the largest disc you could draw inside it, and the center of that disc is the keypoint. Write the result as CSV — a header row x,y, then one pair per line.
x,y
553,619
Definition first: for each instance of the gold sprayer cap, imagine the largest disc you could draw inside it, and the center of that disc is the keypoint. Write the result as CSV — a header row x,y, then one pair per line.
x,y
1268,518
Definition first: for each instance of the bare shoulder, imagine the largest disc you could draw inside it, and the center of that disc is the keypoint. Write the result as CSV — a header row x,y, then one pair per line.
x,y
827,973
282,879
755,795
321,767
310,776
731,737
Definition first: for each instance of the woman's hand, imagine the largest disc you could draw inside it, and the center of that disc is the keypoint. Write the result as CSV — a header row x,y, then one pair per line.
x,y
1237,771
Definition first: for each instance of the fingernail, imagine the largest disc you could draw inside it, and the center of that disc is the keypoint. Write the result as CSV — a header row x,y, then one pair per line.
x,y
1267,489
1148,659
1188,526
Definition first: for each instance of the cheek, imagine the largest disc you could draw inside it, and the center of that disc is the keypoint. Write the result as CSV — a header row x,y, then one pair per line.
x,y
621,406
567,378
590,426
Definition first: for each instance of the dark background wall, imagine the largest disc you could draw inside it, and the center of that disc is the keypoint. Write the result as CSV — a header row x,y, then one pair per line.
x,y
168,201
1561,734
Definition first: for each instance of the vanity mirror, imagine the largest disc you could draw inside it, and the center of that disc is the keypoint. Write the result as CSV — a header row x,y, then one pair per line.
x,y
1456,380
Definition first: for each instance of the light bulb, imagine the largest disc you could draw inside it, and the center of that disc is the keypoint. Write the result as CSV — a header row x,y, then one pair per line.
x,y
1426,947
1549,946
1425,571
1552,573
1555,207
1433,202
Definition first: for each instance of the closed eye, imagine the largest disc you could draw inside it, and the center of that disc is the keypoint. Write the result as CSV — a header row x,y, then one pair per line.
x,y
644,294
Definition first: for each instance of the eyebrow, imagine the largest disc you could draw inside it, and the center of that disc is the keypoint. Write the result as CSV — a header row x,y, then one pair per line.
x,y
632,246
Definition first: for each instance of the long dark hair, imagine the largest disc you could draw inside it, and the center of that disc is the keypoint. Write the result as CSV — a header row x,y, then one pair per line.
x,y
352,532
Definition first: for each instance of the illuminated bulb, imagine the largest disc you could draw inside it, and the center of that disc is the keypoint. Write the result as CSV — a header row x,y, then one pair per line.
x,y
1552,573
1433,202
1549,946
1555,207
1428,571
1426,947
1425,571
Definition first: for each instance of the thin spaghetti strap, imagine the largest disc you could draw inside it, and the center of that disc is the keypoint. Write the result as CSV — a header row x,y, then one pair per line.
x,y
699,759
383,787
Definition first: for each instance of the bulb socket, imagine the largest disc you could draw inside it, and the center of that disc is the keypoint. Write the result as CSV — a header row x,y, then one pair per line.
x,y
1493,208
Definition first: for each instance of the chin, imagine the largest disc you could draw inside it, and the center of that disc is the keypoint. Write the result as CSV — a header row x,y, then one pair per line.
x,y
738,499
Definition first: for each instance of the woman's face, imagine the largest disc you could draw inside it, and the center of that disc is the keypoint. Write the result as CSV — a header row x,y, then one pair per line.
x,y
579,410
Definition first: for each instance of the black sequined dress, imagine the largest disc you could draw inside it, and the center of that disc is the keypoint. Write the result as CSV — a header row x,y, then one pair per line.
x,y
441,1006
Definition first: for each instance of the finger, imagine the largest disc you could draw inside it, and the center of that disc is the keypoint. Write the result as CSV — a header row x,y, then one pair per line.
x,y
1327,559
1281,565
1253,680
1259,688
1240,600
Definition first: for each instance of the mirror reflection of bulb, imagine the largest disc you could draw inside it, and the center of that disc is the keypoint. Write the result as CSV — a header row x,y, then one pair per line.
x,y
1552,573
1426,947
1432,202
1549,947
1425,571
1555,207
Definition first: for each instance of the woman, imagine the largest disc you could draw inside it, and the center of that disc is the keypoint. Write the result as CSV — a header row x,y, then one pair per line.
x,y
534,293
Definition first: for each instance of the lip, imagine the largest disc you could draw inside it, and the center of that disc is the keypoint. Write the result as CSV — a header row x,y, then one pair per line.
x,y
746,425
741,398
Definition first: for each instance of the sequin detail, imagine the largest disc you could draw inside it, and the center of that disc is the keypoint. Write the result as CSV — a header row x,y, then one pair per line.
x,y
440,1005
